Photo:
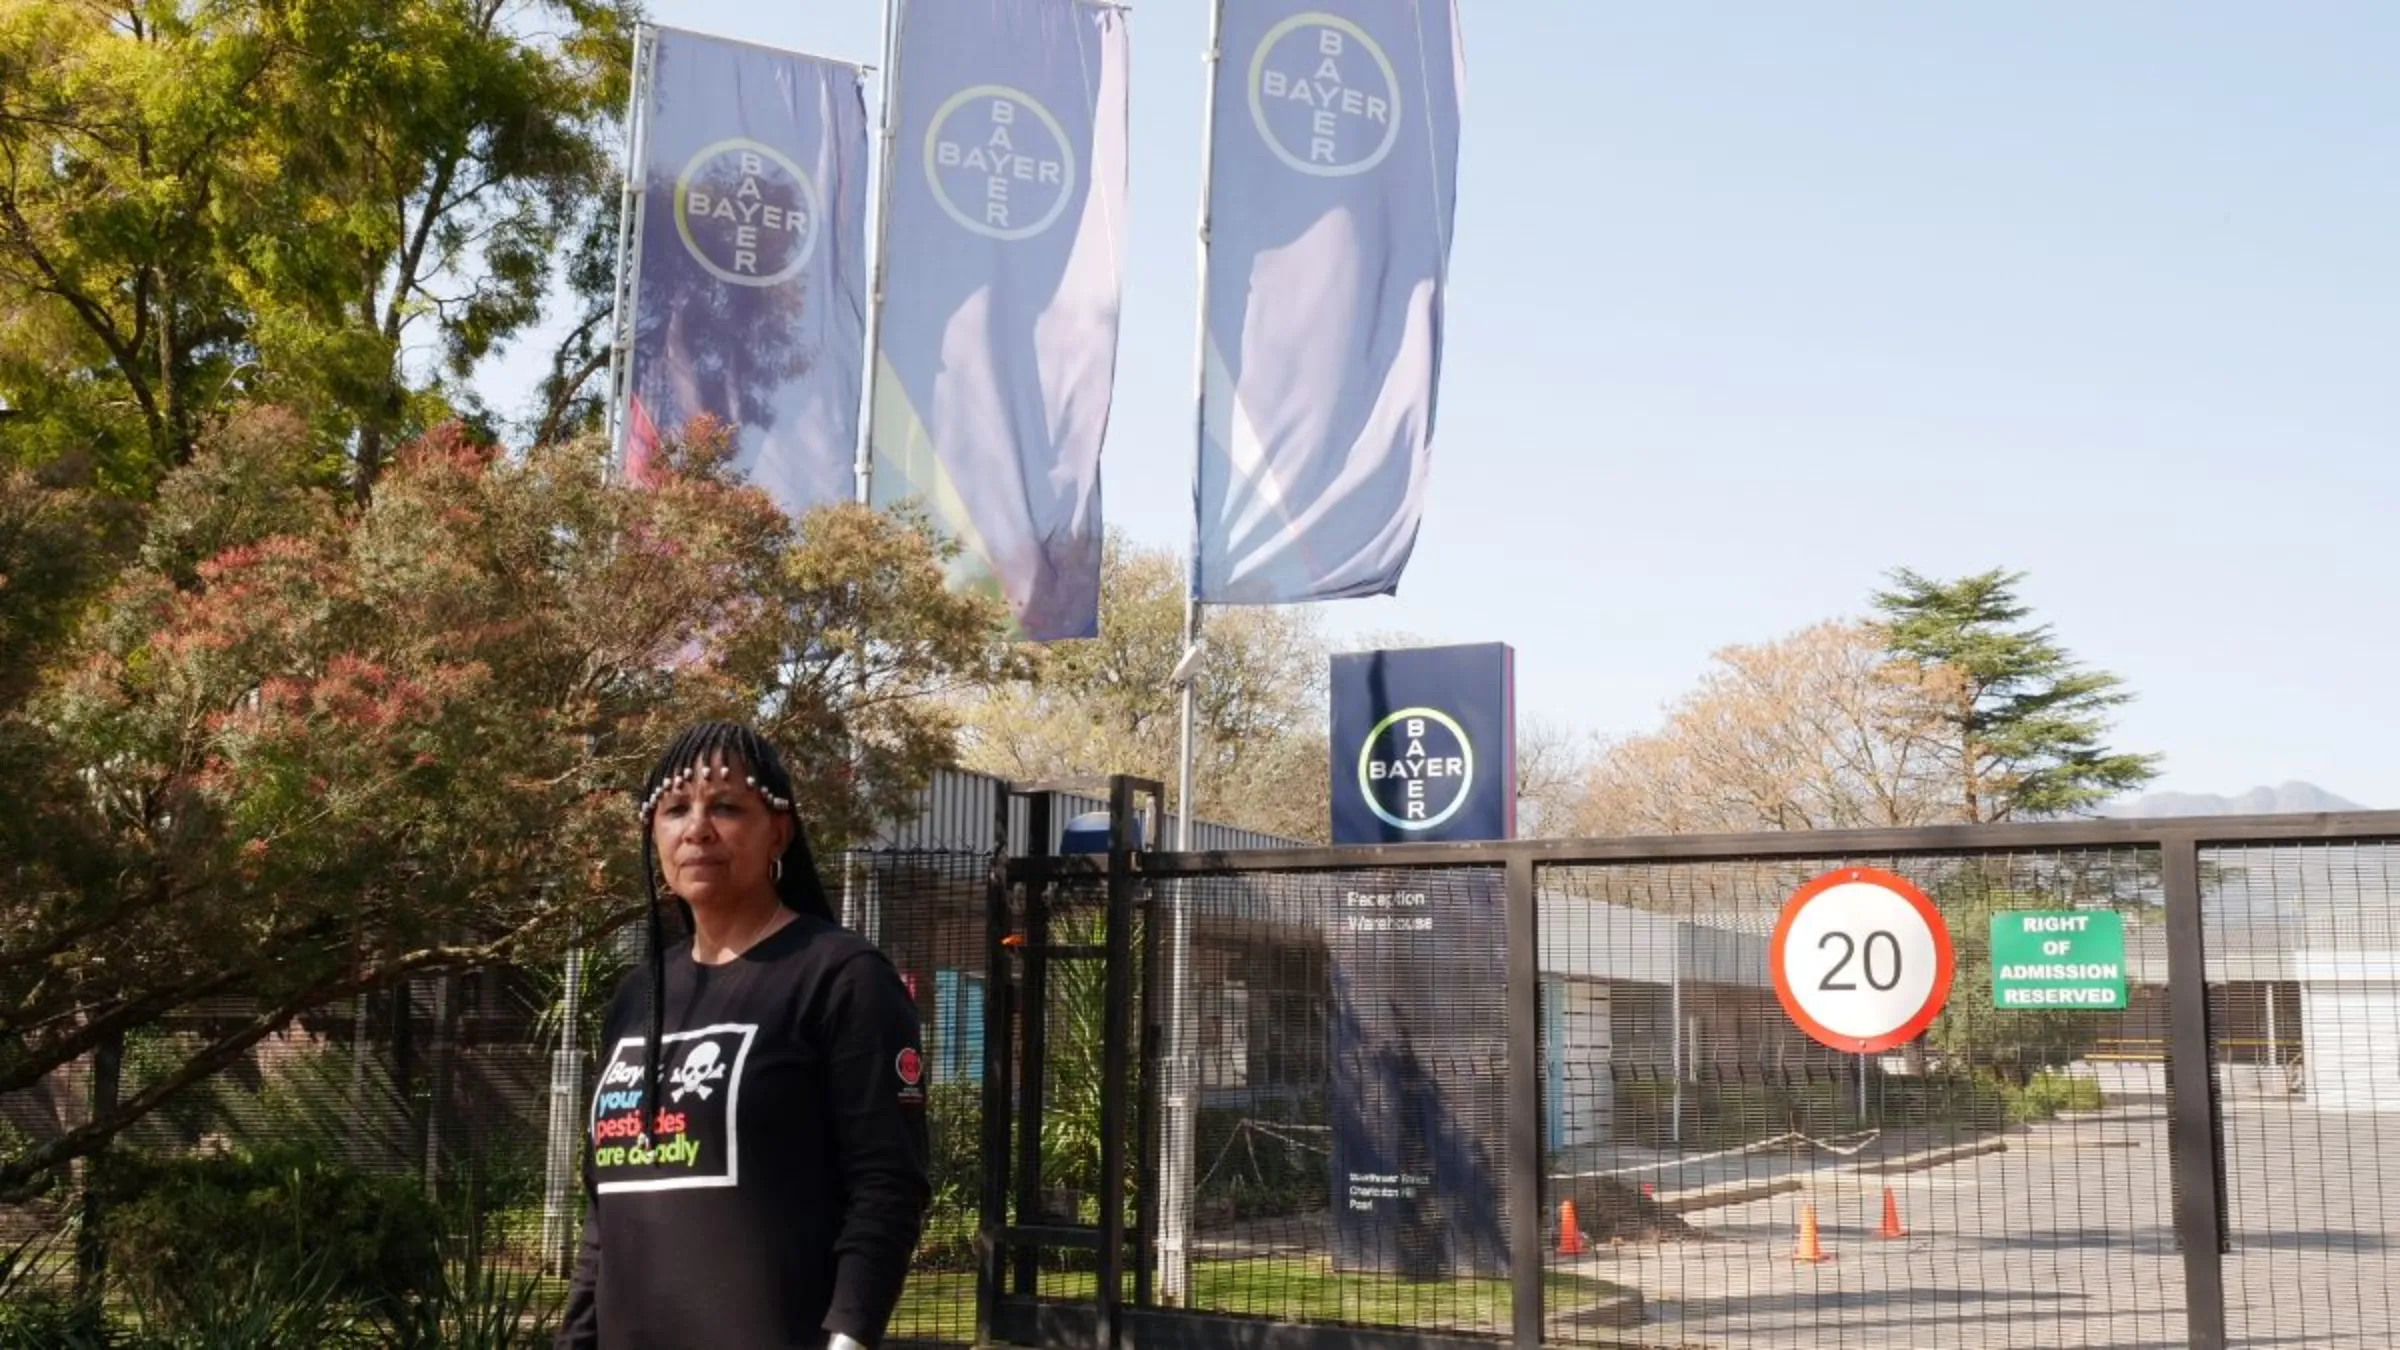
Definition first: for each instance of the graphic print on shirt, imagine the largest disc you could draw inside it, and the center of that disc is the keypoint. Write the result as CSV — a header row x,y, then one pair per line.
x,y
694,1143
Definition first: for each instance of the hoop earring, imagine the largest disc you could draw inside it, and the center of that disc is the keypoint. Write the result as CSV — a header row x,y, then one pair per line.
x,y
779,871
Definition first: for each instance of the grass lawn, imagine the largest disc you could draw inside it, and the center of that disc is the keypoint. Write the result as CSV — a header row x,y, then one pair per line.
x,y
1284,1289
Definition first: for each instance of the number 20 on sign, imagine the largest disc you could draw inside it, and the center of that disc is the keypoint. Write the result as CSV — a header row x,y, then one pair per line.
x,y
1861,960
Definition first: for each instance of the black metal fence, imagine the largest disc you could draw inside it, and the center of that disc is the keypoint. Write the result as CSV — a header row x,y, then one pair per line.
x,y
1533,1093
1545,1093
333,1176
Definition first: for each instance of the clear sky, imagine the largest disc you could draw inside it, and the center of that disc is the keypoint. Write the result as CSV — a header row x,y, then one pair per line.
x,y
1753,301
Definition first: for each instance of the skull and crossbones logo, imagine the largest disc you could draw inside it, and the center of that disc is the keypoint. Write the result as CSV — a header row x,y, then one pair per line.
x,y
700,1068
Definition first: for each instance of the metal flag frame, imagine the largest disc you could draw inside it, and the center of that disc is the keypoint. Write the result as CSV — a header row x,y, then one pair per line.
x,y
630,209
1178,1077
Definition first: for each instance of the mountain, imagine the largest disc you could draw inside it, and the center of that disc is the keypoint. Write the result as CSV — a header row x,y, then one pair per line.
x,y
2288,800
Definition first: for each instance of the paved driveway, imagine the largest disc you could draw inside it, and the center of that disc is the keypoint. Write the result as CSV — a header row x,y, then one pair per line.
x,y
2064,1240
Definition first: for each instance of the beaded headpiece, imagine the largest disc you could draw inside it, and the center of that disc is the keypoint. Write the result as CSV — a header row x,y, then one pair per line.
x,y
706,772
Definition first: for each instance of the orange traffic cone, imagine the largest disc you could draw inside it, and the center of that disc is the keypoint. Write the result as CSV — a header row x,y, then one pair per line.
x,y
1570,1234
1810,1250
1891,1217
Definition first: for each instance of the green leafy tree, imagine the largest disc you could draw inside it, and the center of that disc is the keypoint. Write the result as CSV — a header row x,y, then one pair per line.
x,y
121,130
304,748
2021,725
2012,1044
339,205
2017,729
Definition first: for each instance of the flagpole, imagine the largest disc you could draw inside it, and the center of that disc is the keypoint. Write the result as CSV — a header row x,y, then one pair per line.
x,y
857,914
560,1234
863,467
1181,1086
630,204
1186,674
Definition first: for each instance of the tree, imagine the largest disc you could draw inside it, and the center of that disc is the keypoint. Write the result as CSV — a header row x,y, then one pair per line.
x,y
2012,1044
570,399
1817,730
1106,705
118,133
201,205
2020,724
305,748
58,539
1553,767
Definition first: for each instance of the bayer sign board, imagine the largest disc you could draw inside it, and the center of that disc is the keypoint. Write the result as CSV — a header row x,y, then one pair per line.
x,y
1424,745
1424,748
1861,960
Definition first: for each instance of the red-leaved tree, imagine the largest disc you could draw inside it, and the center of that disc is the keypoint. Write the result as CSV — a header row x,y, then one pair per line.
x,y
292,748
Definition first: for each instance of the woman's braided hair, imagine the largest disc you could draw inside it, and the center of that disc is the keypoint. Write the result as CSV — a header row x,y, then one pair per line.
x,y
703,750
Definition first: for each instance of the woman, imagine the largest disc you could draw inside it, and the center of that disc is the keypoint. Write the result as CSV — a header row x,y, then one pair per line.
x,y
757,1161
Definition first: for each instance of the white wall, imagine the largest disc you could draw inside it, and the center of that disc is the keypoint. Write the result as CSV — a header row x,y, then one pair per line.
x,y
2350,1028
1582,1091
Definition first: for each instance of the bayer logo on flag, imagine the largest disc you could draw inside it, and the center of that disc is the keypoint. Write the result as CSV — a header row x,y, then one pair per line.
x,y
999,163
747,213
1324,95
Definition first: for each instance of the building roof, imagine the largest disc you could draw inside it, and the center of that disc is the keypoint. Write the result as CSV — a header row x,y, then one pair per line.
x,y
955,814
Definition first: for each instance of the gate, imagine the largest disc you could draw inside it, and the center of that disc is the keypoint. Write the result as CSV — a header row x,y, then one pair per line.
x,y
1067,1087
1545,1093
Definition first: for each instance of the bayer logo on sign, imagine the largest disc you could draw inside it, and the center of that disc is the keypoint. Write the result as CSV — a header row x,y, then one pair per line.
x,y
1861,960
1415,768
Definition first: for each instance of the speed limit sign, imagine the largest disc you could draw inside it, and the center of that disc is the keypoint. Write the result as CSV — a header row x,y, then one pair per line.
x,y
1861,960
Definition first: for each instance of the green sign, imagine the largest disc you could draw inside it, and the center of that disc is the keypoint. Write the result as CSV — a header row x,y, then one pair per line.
x,y
2058,959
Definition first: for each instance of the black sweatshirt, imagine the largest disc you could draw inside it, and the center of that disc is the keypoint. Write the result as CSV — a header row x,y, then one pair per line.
x,y
785,1188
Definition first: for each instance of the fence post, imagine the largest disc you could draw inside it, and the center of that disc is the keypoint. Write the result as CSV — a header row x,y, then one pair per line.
x,y
2197,1132
1115,1059
1149,1108
999,1045
563,1149
1033,1050
91,1235
1524,1103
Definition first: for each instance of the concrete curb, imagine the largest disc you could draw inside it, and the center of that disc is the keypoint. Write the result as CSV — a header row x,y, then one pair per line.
x,y
1933,1157
1728,1193
1743,1192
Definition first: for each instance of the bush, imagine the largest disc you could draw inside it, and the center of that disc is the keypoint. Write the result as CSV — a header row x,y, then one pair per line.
x,y
2048,1094
275,1303
954,1124
15,1143
1731,1114
1966,1101
279,1222
477,1303
37,1315
48,1322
